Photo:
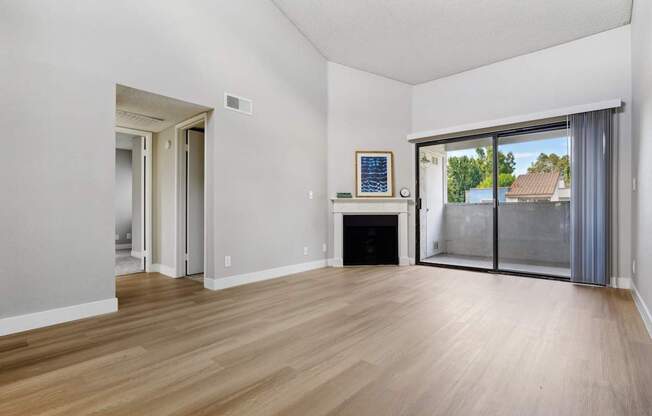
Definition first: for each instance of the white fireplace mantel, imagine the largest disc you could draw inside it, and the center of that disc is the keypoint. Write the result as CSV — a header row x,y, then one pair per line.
x,y
370,206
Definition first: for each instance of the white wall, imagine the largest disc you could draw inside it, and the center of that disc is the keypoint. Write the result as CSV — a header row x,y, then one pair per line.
x,y
588,70
60,61
123,185
642,135
431,181
367,112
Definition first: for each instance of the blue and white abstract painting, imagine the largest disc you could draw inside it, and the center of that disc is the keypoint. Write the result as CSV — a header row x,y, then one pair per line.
x,y
374,174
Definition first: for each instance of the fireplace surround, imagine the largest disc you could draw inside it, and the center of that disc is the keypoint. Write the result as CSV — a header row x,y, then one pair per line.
x,y
397,207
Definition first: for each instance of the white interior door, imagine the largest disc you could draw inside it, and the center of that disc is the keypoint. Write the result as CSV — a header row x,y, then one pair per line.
x,y
194,202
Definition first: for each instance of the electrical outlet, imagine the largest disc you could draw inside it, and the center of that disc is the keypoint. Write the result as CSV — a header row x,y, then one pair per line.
x,y
310,194
324,247
305,251
227,261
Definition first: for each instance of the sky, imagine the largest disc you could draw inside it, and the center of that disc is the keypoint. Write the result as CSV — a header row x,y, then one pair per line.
x,y
524,153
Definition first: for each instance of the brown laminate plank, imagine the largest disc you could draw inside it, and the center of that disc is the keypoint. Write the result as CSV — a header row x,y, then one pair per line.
x,y
352,341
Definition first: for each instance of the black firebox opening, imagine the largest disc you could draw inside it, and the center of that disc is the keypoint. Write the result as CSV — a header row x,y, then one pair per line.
x,y
370,239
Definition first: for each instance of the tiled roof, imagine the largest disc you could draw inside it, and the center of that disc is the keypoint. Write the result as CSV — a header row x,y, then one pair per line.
x,y
534,184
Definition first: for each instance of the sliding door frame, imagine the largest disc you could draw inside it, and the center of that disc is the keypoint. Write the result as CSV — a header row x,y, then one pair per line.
x,y
494,135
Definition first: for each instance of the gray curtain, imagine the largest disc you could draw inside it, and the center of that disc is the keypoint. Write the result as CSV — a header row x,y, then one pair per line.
x,y
590,196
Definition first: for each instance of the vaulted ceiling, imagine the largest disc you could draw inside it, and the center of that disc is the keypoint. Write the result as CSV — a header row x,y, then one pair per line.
x,y
415,41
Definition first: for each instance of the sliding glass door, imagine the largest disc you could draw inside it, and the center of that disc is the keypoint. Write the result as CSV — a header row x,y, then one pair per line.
x,y
456,213
534,221
507,210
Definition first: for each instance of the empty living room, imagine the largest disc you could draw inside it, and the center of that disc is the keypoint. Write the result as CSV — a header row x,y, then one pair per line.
x,y
308,207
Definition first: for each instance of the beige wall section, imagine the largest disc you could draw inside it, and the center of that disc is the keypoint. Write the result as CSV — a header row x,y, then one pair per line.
x,y
367,112
61,60
163,203
588,70
642,134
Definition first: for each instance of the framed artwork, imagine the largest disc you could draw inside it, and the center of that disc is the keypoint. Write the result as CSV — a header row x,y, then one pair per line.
x,y
374,174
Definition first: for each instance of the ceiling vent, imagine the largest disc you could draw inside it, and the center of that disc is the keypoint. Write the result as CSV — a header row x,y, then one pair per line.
x,y
239,104
127,117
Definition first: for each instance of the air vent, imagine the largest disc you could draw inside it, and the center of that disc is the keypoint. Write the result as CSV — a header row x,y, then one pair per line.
x,y
124,117
239,104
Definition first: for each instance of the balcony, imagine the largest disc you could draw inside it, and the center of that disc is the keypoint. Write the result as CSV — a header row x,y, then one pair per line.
x,y
533,237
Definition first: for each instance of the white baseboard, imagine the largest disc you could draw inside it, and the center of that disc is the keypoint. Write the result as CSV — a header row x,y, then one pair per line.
x,y
243,279
412,262
621,282
124,246
165,270
137,254
35,320
335,262
642,309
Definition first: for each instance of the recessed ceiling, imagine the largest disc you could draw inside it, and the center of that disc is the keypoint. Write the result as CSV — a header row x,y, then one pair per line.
x,y
415,41
142,110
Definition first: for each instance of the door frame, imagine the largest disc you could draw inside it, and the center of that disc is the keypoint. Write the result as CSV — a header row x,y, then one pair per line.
x,y
494,135
146,195
179,191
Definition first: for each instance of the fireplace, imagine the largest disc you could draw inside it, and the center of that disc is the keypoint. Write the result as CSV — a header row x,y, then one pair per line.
x,y
364,246
370,239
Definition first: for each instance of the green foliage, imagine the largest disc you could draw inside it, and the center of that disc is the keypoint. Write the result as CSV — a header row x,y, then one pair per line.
x,y
551,163
504,180
466,172
506,162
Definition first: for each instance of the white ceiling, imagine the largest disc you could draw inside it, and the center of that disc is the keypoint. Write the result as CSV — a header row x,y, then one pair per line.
x,y
142,110
415,41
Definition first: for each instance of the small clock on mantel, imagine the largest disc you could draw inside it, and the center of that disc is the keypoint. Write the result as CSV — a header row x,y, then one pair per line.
x,y
404,192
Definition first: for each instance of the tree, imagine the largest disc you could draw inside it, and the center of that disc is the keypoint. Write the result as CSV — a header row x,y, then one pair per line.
x,y
552,163
506,162
505,180
464,173
506,165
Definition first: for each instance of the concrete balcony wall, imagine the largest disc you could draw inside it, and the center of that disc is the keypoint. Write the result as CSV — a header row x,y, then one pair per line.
x,y
528,231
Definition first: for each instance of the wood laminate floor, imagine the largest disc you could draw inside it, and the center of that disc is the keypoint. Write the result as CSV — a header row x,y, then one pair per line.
x,y
354,341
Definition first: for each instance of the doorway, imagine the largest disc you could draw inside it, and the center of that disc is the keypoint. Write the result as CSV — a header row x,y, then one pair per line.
x,y
132,201
497,202
194,198
191,197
